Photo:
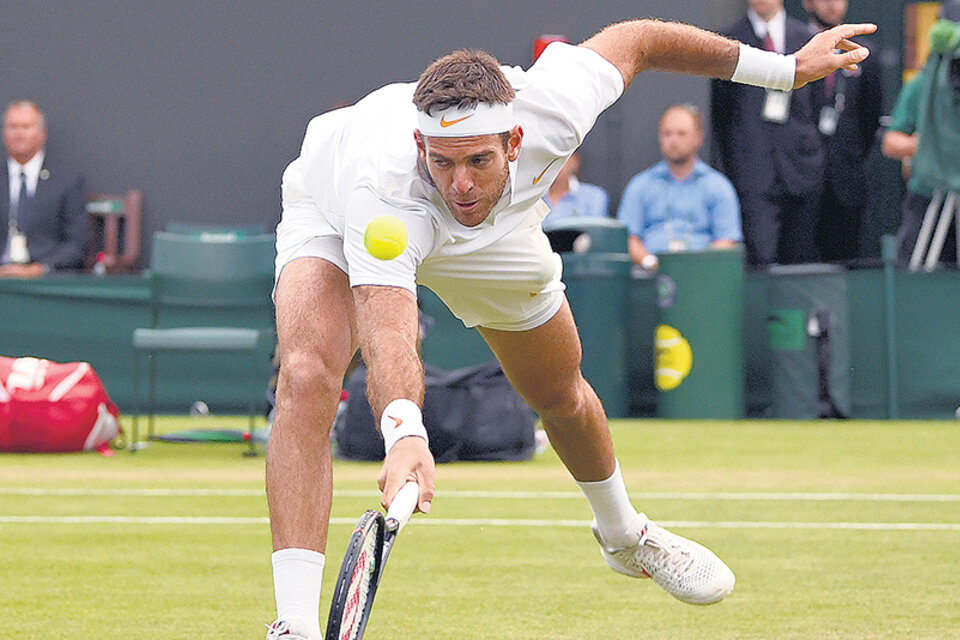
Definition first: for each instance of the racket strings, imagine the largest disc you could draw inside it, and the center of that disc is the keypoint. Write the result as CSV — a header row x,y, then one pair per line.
x,y
358,592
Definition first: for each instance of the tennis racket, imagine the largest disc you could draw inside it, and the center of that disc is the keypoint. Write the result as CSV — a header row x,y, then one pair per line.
x,y
363,564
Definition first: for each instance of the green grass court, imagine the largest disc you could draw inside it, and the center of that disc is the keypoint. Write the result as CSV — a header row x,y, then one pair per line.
x,y
834,529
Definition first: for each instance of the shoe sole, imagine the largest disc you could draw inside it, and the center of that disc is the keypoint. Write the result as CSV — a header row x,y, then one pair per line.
x,y
713,597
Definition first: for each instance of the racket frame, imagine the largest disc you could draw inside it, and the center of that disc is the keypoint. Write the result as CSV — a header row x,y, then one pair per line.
x,y
387,528
369,520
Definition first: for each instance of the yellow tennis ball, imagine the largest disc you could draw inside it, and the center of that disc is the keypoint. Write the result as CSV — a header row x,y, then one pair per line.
x,y
385,237
673,357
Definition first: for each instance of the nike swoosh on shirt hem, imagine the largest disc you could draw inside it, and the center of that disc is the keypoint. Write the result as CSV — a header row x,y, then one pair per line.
x,y
542,173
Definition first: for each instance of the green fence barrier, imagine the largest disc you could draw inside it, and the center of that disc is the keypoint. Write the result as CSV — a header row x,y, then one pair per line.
x,y
808,332
597,288
698,344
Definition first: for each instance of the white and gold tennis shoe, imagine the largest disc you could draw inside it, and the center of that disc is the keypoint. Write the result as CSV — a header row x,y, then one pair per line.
x,y
686,570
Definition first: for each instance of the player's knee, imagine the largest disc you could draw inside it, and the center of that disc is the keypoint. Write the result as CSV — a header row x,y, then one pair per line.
x,y
304,375
563,403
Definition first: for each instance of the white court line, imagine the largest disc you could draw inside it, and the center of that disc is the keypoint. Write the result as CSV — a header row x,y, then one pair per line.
x,y
492,522
511,495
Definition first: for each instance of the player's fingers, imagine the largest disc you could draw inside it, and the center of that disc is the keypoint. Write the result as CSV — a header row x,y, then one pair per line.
x,y
425,482
392,486
382,478
851,30
847,45
389,486
851,59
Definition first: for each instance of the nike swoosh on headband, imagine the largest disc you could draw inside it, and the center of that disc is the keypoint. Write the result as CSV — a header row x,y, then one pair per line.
x,y
449,123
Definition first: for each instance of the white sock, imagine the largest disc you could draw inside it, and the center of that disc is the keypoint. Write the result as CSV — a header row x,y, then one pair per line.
x,y
297,574
612,509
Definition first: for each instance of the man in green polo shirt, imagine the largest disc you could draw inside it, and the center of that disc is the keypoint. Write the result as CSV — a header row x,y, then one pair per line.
x,y
925,132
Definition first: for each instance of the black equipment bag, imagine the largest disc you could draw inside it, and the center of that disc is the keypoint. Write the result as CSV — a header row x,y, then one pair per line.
x,y
470,414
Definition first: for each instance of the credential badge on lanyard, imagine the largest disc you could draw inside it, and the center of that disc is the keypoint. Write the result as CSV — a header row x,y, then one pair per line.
x,y
776,107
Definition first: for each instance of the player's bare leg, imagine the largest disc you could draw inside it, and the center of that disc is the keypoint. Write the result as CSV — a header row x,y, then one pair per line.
x,y
316,330
316,340
543,365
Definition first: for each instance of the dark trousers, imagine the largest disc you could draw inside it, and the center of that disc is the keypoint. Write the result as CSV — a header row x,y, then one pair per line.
x,y
779,228
914,209
840,228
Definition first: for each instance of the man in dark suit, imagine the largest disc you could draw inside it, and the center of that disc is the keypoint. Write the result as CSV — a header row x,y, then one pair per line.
x,y
769,146
43,219
849,107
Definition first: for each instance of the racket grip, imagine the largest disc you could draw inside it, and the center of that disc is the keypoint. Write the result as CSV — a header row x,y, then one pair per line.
x,y
402,506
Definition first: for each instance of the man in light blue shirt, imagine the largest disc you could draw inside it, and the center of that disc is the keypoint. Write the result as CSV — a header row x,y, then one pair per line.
x,y
569,198
679,204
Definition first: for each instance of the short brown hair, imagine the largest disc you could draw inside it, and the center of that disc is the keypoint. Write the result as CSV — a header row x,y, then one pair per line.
x,y
462,79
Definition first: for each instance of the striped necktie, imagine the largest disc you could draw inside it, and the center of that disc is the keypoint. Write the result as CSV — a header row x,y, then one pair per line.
x,y
21,198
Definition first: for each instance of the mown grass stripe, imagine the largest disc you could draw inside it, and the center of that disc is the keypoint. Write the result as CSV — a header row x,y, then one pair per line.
x,y
486,522
507,495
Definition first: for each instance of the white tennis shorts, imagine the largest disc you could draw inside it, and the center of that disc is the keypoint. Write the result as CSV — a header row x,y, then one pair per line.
x,y
513,284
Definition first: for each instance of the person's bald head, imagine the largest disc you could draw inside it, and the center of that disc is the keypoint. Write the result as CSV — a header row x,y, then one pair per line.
x,y
681,133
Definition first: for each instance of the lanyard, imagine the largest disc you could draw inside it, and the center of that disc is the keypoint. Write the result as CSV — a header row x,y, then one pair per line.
x,y
840,91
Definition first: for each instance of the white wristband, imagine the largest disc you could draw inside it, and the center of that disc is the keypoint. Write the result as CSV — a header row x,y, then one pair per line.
x,y
401,418
765,69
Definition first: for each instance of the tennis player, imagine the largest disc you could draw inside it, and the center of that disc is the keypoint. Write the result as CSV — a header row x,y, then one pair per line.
x,y
463,158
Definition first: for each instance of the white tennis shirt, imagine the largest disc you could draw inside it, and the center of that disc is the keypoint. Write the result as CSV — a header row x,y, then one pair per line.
x,y
360,161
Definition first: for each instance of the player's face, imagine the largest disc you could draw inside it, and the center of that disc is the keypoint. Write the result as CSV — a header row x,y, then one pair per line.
x,y
23,132
766,9
470,173
680,138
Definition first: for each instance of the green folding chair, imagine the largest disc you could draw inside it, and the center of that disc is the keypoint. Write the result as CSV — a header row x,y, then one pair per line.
x,y
196,282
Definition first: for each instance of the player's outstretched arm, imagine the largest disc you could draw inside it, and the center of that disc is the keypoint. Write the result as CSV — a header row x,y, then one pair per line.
x,y
639,45
388,326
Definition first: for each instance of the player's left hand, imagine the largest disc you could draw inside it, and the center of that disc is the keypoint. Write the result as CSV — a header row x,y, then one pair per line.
x,y
820,57
409,459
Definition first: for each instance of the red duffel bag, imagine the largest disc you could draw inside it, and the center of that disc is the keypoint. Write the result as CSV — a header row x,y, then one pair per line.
x,y
48,406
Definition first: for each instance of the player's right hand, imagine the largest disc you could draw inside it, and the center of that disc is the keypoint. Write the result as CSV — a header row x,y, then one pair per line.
x,y
409,459
820,57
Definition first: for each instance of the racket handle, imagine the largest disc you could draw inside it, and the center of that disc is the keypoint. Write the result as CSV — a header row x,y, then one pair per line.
x,y
402,506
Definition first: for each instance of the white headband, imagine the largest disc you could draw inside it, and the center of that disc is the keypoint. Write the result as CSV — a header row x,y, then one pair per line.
x,y
481,120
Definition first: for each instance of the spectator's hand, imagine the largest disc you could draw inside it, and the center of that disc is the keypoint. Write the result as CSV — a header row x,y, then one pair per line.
x,y
409,459
650,262
32,270
819,57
